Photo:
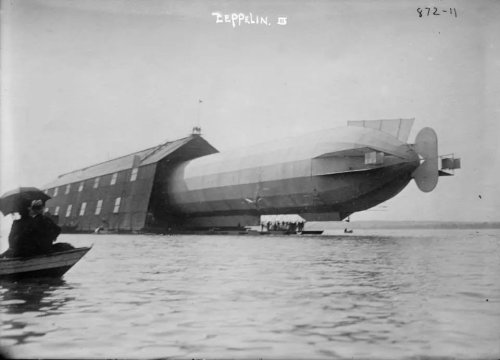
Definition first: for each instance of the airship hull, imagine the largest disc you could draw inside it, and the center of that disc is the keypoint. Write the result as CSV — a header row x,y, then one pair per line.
x,y
320,175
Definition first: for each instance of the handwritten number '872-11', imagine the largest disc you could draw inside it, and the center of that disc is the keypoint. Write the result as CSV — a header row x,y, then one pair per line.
x,y
435,11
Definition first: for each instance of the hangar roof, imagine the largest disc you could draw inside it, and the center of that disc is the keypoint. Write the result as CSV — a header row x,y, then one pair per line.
x,y
136,159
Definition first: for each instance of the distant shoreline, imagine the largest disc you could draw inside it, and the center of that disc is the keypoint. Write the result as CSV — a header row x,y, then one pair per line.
x,y
404,225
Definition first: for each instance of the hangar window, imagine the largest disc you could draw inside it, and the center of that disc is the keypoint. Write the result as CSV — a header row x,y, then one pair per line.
x,y
68,210
98,207
113,179
56,211
133,176
96,182
68,188
117,205
82,208
56,190
80,188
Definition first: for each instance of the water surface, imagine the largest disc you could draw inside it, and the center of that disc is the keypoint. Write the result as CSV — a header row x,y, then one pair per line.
x,y
373,294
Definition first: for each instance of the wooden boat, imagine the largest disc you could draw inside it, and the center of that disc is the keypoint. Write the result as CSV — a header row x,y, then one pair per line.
x,y
50,265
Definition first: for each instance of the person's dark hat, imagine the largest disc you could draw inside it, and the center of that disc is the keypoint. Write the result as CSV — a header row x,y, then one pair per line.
x,y
37,204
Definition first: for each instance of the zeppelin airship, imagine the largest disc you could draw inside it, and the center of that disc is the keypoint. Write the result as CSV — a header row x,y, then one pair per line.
x,y
321,176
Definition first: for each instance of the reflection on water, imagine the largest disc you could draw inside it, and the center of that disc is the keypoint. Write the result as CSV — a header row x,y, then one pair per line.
x,y
31,295
28,298
386,295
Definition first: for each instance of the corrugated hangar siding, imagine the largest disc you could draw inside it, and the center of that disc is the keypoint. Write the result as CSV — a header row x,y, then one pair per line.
x,y
101,205
116,194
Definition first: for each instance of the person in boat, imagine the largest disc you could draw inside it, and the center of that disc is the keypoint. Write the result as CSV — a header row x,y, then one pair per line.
x,y
33,233
45,231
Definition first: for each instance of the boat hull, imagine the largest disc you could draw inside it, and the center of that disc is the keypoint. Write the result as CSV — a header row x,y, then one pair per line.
x,y
51,265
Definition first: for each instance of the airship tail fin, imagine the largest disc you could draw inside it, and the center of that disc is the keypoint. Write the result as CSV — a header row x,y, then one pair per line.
x,y
426,146
399,128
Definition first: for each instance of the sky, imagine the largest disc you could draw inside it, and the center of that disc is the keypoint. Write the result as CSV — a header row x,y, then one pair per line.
x,y
85,81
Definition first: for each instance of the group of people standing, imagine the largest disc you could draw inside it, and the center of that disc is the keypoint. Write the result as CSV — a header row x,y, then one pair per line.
x,y
33,233
283,226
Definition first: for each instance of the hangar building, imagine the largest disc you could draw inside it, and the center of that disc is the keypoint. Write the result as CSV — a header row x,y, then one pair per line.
x,y
123,194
